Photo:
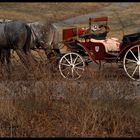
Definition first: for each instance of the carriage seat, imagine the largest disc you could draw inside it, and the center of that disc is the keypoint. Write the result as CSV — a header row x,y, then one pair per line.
x,y
129,39
111,44
95,35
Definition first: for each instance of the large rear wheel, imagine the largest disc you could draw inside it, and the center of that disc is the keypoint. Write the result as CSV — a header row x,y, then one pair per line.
x,y
131,62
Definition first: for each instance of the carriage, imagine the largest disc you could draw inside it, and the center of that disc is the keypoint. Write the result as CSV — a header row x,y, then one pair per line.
x,y
85,45
79,46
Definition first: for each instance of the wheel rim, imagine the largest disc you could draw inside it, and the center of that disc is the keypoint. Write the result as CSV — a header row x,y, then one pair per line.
x,y
71,66
131,63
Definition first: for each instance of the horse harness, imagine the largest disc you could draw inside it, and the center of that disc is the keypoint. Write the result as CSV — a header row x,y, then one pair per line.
x,y
35,37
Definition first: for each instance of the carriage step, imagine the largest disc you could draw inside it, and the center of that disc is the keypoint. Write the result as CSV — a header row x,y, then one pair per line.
x,y
113,53
111,58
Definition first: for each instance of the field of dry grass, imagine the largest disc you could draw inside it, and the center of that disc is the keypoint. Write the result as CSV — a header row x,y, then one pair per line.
x,y
43,104
45,11
40,103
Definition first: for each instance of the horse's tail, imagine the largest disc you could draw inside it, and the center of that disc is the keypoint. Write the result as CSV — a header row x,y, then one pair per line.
x,y
28,39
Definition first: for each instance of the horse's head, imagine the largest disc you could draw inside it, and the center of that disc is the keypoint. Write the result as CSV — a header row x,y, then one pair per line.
x,y
42,34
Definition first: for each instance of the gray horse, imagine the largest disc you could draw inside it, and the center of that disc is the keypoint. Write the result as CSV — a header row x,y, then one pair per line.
x,y
14,35
41,37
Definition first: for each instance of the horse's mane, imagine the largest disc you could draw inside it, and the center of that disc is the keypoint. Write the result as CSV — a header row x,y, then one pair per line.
x,y
5,20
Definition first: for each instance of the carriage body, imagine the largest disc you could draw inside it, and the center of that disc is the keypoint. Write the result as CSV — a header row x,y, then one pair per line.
x,y
101,48
99,45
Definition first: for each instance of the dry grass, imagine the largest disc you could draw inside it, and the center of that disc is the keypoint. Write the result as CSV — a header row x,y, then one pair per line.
x,y
46,105
45,11
53,12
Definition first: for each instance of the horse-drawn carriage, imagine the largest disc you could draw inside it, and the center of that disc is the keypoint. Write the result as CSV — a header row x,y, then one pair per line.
x,y
84,45
80,46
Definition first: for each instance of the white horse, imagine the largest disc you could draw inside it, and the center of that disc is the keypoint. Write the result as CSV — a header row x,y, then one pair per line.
x,y
42,35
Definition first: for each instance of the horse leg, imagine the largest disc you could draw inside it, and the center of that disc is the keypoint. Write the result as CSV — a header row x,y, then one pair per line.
x,y
5,69
2,61
8,60
23,58
8,56
31,58
2,56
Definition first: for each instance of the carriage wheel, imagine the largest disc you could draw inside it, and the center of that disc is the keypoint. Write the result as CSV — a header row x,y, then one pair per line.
x,y
131,63
71,66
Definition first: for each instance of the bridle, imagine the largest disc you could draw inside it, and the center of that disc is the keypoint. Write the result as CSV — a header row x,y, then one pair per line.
x,y
35,37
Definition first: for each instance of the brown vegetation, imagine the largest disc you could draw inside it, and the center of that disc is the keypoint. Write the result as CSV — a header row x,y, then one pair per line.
x,y
46,11
46,105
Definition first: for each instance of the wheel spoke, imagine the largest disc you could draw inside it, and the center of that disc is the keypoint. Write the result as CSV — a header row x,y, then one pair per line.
x,y
67,74
134,55
65,69
72,72
65,64
79,68
67,60
130,67
71,58
78,63
138,53
75,59
139,72
134,71
76,72
131,60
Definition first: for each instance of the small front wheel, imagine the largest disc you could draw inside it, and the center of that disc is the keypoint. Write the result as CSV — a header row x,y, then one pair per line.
x,y
71,66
